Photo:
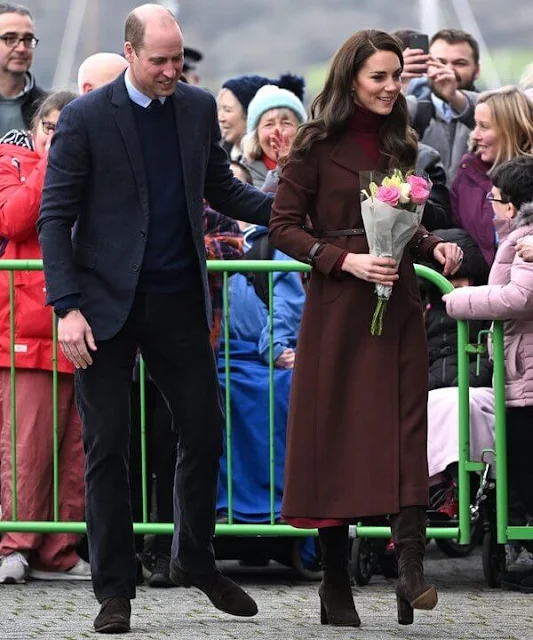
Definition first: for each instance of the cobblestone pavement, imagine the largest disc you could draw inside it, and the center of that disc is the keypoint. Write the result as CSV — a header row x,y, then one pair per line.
x,y
288,610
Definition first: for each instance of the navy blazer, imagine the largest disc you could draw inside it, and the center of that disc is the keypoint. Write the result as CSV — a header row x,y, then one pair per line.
x,y
94,212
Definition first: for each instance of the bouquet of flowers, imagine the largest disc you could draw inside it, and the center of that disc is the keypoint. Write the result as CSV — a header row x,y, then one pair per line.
x,y
392,208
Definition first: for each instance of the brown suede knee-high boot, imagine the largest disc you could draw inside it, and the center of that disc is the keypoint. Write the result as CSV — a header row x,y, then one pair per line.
x,y
409,535
336,598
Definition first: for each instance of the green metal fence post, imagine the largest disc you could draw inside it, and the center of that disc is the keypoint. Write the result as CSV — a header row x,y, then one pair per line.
x,y
502,513
14,503
55,421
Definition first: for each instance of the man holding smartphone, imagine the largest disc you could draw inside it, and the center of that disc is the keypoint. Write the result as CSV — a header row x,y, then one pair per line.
x,y
439,76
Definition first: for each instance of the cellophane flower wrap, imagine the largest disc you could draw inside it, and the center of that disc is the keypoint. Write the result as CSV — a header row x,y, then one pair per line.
x,y
392,207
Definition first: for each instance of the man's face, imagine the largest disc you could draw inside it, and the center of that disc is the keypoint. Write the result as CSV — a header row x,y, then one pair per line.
x,y
458,57
158,64
15,59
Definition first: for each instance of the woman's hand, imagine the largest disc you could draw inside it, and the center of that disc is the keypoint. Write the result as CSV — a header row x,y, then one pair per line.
x,y
286,359
366,267
450,255
281,143
524,249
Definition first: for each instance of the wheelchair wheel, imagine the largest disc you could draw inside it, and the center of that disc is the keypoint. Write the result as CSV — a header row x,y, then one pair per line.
x,y
363,560
493,555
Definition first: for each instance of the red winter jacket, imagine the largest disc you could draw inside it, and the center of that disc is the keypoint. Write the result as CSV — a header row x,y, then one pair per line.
x,y
21,185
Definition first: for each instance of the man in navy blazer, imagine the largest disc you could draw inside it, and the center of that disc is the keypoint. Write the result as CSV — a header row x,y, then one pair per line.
x,y
124,259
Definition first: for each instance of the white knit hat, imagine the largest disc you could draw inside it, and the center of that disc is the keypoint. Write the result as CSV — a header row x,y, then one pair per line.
x,y
272,97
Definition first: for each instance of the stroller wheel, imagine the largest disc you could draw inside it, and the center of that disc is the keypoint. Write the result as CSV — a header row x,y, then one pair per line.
x,y
363,560
453,549
308,571
493,555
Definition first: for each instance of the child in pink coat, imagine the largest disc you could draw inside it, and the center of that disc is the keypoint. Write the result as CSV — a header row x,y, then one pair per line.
x,y
508,296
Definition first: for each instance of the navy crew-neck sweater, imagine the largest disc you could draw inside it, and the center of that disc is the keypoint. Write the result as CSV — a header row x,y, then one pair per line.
x,y
170,262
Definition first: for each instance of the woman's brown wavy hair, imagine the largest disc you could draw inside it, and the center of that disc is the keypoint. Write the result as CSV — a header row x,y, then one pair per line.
x,y
334,106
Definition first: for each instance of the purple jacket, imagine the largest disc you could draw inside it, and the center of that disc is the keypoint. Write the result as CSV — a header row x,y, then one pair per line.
x,y
509,297
470,209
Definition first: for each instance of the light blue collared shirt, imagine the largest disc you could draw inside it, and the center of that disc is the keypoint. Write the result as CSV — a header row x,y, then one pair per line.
x,y
137,96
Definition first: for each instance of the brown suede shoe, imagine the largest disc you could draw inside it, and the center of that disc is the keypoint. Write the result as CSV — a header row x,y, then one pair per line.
x,y
225,594
114,616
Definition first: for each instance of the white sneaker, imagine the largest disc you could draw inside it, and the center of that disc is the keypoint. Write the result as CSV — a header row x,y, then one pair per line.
x,y
13,569
80,571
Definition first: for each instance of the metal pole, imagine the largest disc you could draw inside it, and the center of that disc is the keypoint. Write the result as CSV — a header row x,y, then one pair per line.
x,y
69,44
428,12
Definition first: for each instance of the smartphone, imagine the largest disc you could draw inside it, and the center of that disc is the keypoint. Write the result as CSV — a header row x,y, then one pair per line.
x,y
419,41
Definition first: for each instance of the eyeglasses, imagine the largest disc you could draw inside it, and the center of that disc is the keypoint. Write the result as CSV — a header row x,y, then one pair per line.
x,y
13,40
490,197
48,127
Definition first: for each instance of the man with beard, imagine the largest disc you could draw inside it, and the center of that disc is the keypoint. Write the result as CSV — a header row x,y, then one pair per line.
x,y
443,95
19,97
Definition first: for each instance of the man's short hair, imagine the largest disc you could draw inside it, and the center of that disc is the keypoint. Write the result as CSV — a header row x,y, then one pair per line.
x,y
456,36
134,29
7,7
515,180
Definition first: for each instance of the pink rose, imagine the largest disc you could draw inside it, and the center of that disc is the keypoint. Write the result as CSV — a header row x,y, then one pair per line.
x,y
419,194
418,181
389,195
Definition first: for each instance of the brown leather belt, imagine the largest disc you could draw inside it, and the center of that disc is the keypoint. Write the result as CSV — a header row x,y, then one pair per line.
x,y
338,233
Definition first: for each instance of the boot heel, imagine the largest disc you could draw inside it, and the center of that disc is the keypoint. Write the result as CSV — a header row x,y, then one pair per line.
x,y
323,613
405,611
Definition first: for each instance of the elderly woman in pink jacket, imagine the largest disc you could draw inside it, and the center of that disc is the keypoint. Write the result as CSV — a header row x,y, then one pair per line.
x,y
509,296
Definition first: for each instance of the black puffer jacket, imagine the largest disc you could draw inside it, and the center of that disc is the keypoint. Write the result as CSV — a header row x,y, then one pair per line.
x,y
441,330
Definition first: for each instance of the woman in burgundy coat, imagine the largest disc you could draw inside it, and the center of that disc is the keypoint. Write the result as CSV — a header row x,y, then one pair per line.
x,y
357,425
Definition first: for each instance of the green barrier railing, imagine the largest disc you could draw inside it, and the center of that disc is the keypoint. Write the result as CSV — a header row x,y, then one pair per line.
x,y
466,466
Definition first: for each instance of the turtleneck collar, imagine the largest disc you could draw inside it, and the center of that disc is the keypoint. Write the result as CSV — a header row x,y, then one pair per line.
x,y
365,121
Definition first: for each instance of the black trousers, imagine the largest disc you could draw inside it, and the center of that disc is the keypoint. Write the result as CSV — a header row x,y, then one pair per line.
x,y
173,337
519,454
161,448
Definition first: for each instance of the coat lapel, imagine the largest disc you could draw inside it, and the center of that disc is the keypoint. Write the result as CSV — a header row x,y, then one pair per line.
x,y
128,129
186,123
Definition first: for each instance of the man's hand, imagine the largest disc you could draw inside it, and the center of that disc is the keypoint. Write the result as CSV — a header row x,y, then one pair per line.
x,y
75,337
445,85
450,255
286,359
415,65
366,267
524,249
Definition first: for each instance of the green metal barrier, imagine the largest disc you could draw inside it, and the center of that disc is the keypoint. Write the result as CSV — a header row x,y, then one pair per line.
x,y
462,532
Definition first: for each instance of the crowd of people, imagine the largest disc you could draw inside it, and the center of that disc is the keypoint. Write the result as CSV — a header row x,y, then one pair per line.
x,y
126,191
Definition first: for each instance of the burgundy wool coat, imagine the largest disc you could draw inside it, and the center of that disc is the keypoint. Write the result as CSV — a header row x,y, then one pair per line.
x,y
357,428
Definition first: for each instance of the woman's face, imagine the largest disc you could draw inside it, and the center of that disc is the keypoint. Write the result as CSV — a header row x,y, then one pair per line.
x,y
231,117
485,134
276,122
42,136
378,83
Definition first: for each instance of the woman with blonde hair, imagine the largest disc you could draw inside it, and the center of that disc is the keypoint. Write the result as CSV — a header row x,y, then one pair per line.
x,y
503,131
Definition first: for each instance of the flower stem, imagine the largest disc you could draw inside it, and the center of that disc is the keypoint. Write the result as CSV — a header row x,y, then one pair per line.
x,y
376,328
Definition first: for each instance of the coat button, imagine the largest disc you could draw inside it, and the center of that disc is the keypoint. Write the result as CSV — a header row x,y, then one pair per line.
x,y
136,267
143,234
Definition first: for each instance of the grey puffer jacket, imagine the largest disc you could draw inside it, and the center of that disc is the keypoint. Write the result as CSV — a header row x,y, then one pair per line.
x,y
450,139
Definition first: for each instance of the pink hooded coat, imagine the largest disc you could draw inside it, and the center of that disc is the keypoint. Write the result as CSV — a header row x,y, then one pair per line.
x,y
508,296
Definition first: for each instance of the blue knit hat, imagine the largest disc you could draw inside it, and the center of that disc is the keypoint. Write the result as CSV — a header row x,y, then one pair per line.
x,y
272,97
245,87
